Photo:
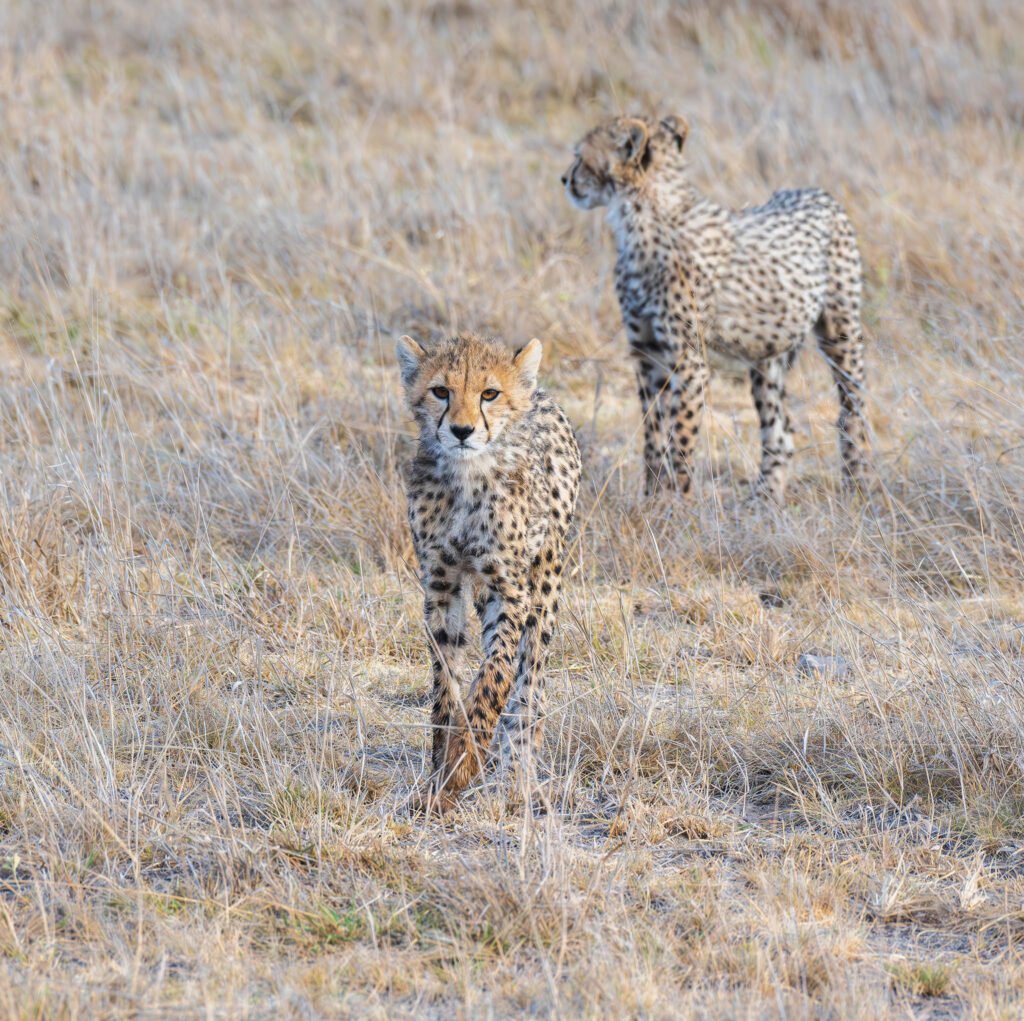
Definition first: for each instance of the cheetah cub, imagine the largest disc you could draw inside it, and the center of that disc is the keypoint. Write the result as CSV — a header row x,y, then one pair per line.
x,y
751,283
491,494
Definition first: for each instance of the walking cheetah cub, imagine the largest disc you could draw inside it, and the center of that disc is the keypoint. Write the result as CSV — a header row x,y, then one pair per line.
x,y
491,494
751,283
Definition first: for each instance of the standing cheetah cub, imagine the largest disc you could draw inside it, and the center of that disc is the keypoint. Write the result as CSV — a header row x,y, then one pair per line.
x,y
751,283
491,494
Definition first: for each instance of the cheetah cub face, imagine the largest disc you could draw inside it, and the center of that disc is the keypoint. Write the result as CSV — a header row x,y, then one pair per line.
x,y
464,396
616,156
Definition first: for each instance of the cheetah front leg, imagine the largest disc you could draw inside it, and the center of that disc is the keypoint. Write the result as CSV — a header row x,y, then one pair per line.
x,y
768,383
445,617
674,378
503,619
689,383
652,384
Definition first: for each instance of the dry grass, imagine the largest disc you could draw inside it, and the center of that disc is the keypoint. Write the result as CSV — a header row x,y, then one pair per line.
x,y
216,219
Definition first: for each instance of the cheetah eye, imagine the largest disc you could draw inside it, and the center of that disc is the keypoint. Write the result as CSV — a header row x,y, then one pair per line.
x,y
490,395
440,392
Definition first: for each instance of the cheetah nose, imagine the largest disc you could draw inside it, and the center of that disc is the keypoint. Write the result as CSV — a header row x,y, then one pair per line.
x,y
461,432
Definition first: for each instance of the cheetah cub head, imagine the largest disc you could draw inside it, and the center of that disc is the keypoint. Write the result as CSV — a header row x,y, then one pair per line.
x,y
617,156
467,391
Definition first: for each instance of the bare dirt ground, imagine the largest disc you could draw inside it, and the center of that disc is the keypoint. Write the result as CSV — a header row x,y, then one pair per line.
x,y
215,219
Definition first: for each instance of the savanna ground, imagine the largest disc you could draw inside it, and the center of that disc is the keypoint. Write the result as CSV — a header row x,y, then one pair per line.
x,y
215,219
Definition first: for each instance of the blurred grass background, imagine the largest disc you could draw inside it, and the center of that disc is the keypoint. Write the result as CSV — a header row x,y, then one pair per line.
x,y
216,219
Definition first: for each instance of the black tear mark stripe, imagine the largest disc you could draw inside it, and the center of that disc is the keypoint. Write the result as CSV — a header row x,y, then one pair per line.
x,y
440,421
487,425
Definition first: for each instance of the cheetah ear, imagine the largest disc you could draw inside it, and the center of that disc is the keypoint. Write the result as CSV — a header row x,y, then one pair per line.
x,y
527,362
634,141
410,357
677,127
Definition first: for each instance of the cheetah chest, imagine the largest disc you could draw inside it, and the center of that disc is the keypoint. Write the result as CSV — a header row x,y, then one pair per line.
x,y
489,523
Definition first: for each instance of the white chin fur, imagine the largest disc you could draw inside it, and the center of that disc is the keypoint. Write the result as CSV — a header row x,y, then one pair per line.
x,y
581,202
463,453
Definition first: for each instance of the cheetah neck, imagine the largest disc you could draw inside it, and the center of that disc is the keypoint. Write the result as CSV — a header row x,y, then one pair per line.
x,y
470,473
631,220
639,221
672,193
638,215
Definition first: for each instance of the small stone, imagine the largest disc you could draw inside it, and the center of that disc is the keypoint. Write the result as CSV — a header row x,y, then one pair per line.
x,y
831,668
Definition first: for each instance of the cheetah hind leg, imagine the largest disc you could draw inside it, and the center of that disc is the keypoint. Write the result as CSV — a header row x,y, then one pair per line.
x,y
768,384
519,773
840,341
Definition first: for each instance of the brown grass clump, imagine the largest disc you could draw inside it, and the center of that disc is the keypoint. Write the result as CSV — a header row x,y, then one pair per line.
x,y
216,220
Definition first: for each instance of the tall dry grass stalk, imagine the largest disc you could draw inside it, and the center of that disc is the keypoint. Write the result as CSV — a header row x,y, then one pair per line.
x,y
214,221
